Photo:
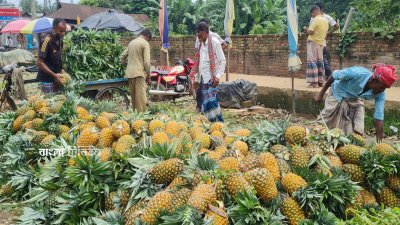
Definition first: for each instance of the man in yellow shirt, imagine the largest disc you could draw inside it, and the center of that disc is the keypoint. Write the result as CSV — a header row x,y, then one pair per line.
x,y
315,46
137,58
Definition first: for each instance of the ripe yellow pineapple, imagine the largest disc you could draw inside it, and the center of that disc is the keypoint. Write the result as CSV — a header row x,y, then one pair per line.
x,y
37,123
63,129
38,104
217,126
263,182
357,139
160,137
368,199
105,154
385,149
214,155
38,136
83,114
312,150
176,183
229,140
217,216
27,125
173,128
393,183
18,122
195,132
269,162
205,140
120,128
183,126
55,108
124,143
86,125
88,137
202,196
165,172
250,162
335,161
65,136
109,116
161,202
292,182
44,111
229,164
241,146
138,126
355,172
30,115
22,110
243,132
106,137
156,125
388,198
6,190
102,122
296,135
179,198
292,210
48,139
300,157
350,154
235,183
217,134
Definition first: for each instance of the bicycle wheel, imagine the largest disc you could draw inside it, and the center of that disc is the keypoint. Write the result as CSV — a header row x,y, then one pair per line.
x,y
113,94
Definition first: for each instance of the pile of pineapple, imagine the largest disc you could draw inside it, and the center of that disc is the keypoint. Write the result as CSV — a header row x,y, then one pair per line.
x,y
170,166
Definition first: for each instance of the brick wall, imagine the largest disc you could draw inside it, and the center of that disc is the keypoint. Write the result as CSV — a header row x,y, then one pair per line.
x,y
267,54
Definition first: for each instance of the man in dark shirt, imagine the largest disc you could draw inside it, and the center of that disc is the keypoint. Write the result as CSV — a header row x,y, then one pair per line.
x,y
49,61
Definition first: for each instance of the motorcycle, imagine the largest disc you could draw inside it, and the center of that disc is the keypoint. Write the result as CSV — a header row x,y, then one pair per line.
x,y
172,81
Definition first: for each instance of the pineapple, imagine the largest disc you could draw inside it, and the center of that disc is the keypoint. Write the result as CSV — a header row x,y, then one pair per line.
x,y
161,202
195,132
388,198
292,182
83,114
105,154
217,216
335,161
6,190
280,152
219,189
88,137
37,123
218,134
312,150
250,162
38,104
138,126
65,136
269,162
296,135
22,110
124,143
165,172
300,158
350,154
179,199
205,140
357,139
242,147
134,212
229,140
235,183
102,122
264,183
284,166
56,107
38,136
292,210
109,116
368,198
48,139
229,164
243,132
393,183
202,196
27,125
44,111
120,128
385,149
18,122
173,128
217,126
62,129
86,125
30,115
355,172
106,137
160,137
156,125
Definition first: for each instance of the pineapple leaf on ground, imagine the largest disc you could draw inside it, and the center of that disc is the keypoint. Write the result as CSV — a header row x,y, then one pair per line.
x,y
377,169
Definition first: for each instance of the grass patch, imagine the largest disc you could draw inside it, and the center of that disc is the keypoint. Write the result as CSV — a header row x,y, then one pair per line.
x,y
392,118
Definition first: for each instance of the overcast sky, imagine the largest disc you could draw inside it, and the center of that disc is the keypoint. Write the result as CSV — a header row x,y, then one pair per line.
x,y
16,2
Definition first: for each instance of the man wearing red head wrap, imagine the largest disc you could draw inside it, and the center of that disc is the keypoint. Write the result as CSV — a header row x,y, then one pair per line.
x,y
344,105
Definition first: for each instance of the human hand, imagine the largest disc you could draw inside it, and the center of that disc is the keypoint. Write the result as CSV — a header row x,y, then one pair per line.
x,y
318,99
215,82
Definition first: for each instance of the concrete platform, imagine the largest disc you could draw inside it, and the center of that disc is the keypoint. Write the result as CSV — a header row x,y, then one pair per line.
x,y
276,92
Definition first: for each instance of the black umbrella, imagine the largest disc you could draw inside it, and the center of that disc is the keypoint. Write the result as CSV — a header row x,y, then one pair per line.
x,y
112,21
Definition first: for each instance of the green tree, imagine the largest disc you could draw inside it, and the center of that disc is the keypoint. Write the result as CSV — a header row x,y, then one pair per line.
x,y
26,6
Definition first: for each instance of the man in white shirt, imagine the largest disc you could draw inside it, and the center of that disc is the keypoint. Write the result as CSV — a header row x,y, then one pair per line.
x,y
222,41
208,68
334,26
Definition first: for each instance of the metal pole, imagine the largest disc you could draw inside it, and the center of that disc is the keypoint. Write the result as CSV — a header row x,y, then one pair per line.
x,y
227,65
167,57
293,96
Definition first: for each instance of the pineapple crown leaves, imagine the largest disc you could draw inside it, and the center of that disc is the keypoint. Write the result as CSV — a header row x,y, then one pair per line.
x,y
266,133
309,198
6,122
111,218
183,216
90,174
163,151
34,215
320,217
248,210
377,169
322,161
22,181
395,159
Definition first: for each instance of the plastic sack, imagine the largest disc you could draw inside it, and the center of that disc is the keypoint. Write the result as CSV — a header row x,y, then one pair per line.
x,y
233,94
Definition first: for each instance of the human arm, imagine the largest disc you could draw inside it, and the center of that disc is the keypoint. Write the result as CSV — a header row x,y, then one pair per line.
x,y
146,59
124,56
379,116
332,23
318,98
220,62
